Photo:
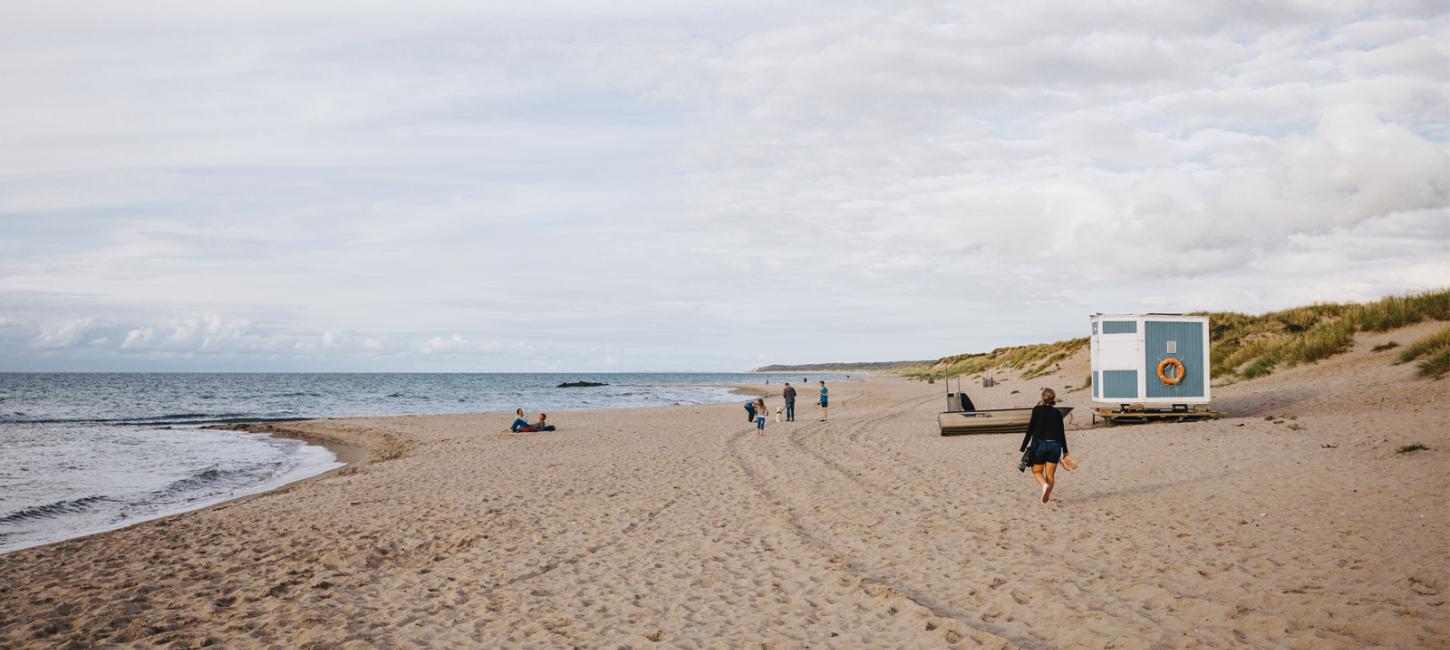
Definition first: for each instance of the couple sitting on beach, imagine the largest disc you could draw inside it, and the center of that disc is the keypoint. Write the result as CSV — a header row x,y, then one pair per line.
x,y
521,425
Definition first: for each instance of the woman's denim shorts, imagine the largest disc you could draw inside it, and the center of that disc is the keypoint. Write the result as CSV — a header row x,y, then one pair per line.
x,y
1047,451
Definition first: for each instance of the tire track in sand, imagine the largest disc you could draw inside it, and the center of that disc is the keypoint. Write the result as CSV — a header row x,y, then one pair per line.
x,y
757,466
1120,599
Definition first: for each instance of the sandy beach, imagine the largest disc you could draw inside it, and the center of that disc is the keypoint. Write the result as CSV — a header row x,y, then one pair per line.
x,y
1293,523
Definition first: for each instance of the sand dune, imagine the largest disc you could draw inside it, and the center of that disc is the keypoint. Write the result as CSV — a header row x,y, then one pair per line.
x,y
678,526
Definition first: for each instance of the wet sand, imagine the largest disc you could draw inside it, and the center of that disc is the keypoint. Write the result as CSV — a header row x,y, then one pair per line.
x,y
1294,523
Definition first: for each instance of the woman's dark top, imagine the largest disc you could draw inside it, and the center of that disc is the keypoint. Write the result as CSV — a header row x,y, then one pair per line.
x,y
1046,424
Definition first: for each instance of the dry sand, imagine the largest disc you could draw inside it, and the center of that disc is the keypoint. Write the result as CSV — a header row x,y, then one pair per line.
x,y
679,527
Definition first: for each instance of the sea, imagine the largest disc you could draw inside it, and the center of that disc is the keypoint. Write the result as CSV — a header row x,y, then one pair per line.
x,y
82,453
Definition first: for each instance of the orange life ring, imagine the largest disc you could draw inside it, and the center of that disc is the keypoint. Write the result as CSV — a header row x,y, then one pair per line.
x,y
1177,376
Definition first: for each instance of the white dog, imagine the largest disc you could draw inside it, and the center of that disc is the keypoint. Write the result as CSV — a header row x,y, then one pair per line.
x,y
777,414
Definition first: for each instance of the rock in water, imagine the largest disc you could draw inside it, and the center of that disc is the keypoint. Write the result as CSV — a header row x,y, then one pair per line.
x,y
580,384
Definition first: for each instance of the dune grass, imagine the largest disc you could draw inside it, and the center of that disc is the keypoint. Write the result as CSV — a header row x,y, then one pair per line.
x,y
1433,351
1246,346
1252,346
1038,359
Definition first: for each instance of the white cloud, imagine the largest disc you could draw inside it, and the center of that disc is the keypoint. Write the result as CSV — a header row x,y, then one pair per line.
x,y
458,344
685,186
63,334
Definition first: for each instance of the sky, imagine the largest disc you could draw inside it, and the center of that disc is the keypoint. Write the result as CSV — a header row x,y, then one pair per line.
x,y
360,186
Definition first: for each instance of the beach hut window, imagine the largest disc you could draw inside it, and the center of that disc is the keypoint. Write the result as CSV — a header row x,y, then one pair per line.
x,y
1120,327
1173,347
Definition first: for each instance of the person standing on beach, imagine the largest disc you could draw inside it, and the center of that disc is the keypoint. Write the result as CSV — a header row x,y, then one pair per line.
x,y
750,411
760,414
825,401
789,395
1048,439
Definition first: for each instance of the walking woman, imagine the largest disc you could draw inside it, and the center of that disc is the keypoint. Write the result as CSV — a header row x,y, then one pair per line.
x,y
1048,440
760,414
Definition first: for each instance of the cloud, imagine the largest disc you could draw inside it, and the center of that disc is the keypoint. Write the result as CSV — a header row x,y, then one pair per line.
x,y
648,186
63,334
458,344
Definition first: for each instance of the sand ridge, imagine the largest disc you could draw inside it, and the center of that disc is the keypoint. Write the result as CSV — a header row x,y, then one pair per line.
x,y
680,527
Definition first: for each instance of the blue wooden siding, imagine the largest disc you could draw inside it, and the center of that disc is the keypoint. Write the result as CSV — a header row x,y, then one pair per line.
x,y
1120,327
1097,385
1189,337
1120,384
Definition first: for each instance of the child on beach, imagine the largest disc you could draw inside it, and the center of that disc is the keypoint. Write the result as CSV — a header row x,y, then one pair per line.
x,y
760,415
542,424
825,401
1048,439
520,424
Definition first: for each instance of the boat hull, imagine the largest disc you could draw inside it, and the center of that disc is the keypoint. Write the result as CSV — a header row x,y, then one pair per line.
x,y
957,423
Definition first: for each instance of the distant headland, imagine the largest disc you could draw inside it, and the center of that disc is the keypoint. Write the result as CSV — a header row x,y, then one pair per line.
x,y
833,367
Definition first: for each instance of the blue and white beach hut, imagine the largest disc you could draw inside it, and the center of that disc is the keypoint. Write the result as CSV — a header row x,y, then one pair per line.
x,y
1141,361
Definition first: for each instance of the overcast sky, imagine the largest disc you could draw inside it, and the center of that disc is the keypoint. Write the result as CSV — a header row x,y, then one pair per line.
x,y
696,186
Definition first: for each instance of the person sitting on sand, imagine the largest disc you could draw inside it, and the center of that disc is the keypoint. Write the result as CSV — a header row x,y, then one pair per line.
x,y
542,424
520,424
1048,439
760,415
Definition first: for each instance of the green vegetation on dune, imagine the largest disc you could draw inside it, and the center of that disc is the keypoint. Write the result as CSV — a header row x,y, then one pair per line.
x,y
1433,352
1038,359
1252,346
1248,346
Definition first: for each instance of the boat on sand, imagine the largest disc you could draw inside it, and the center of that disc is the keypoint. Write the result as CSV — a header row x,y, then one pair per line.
x,y
962,417
1013,420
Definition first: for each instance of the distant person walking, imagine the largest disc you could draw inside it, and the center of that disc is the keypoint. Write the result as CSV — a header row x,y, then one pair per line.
x,y
825,401
789,395
760,414
1048,440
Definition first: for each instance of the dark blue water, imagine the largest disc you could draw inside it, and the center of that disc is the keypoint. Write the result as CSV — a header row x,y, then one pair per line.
x,y
84,453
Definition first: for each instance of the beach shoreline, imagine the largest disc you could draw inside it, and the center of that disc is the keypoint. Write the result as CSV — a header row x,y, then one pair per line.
x,y
683,525
348,452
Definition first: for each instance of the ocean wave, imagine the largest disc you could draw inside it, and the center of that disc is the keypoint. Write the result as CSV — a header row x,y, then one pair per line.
x,y
213,420
206,478
156,420
66,507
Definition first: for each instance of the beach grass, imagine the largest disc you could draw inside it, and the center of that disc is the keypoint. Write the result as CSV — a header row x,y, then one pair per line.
x,y
1433,351
1038,358
1244,346
1252,346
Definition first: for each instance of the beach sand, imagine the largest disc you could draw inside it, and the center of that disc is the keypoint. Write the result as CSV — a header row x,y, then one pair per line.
x,y
679,526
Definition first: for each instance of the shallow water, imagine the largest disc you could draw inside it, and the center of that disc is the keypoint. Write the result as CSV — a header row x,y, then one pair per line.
x,y
85,453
